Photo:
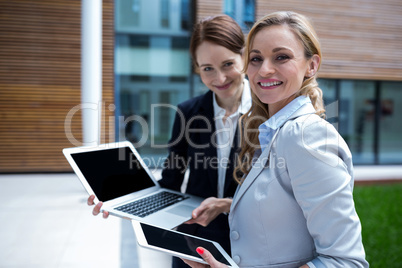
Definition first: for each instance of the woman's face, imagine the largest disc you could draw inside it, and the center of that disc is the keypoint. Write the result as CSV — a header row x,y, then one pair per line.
x,y
277,66
220,69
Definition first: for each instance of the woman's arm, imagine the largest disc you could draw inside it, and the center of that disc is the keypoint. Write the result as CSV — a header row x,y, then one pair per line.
x,y
209,209
320,167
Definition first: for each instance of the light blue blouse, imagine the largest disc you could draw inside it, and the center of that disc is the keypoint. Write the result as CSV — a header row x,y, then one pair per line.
x,y
268,128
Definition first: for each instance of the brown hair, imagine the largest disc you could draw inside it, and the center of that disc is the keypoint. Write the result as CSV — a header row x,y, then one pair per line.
x,y
221,30
258,112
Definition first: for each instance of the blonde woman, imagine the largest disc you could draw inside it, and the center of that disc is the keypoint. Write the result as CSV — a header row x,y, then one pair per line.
x,y
294,205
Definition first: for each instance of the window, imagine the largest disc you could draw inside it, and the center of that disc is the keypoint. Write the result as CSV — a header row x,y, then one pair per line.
x,y
152,72
129,11
165,13
357,118
248,13
366,117
185,15
390,126
331,103
243,11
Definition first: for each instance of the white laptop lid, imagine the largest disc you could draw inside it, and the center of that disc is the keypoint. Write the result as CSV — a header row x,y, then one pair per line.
x,y
116,175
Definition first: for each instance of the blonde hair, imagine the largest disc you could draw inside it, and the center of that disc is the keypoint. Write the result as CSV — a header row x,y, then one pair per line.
x,y
258,112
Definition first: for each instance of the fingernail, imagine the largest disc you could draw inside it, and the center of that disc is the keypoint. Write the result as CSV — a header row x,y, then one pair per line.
x,y
200,251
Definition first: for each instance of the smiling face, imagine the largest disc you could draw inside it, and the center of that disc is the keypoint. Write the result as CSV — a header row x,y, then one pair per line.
x,y
277,66
220,70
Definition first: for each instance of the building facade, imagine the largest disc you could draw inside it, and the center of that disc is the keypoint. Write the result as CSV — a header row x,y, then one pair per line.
x,y
147,71
362,84
360,79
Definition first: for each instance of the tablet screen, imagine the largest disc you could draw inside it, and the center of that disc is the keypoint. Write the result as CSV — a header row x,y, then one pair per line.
x,y
179,242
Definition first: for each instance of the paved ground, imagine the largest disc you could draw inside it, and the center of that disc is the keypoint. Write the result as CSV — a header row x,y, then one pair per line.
x,y
45,222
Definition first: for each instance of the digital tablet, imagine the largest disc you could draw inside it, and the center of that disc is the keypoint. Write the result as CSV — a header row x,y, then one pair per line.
x,y
178,244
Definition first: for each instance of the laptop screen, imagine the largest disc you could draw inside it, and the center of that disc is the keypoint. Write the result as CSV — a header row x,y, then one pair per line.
x,y
112,173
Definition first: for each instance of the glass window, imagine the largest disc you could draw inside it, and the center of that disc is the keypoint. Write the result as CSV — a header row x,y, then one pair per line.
x,y
368,124
229,8
129,13
163,17
243,11
390,142
185,15
248,13
329,90
152,72
165,13
357,119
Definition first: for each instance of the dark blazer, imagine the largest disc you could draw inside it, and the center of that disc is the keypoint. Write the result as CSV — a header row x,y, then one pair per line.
x,y
192,146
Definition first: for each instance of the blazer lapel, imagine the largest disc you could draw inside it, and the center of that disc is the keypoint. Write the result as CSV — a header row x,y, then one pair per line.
x,y
258,166
261,163
210,153
229,180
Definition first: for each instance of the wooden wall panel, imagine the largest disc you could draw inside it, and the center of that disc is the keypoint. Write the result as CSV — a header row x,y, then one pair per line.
x,y
107,131
40,54
361,39
206,8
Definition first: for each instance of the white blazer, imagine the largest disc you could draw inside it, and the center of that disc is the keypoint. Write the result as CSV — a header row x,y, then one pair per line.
x,y
298,207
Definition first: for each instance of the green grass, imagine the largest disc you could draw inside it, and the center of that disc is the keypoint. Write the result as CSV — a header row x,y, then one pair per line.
x,y
380,210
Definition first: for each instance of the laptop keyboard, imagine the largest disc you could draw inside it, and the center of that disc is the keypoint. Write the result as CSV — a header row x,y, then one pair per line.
x,y
151,204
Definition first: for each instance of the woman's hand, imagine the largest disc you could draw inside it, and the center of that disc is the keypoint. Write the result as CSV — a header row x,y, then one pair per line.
x,y
208,258
97,208
209,209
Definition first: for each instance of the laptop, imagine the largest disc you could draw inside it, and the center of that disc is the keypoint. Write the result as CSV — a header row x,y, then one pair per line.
x,y
117,175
